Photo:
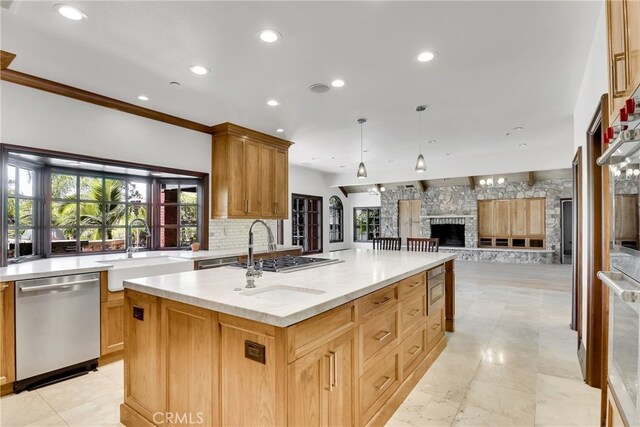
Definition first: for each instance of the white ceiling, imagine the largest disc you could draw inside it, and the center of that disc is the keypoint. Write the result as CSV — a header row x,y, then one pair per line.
x,y
499,65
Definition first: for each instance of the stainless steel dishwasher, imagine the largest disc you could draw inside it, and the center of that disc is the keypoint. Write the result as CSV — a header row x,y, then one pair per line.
x,y
57,328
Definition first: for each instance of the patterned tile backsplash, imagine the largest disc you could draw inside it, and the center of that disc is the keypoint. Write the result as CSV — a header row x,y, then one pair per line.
x,y
234,233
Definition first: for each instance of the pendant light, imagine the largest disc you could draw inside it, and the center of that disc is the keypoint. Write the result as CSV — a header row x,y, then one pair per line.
x,y
421,165
362,171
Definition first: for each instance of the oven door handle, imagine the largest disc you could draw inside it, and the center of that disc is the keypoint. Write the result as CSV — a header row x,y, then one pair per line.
x,y
620,285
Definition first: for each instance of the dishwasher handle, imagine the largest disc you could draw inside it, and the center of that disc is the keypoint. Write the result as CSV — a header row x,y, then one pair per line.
x,y
54,286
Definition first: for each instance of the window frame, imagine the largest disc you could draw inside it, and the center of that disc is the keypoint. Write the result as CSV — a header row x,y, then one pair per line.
x,y
158,226
336,213
355,218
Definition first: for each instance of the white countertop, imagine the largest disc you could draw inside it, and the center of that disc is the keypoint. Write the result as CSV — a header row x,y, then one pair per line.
x,y
59,266
363,271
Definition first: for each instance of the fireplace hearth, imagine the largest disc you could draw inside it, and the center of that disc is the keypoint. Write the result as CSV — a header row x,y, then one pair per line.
x,y
451,235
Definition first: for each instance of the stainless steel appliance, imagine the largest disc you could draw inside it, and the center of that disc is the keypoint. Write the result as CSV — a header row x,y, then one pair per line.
x,y
57,328
288,263
206,264
623,158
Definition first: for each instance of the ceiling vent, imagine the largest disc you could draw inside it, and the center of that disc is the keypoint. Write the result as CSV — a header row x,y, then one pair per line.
x,y
319,88
6,4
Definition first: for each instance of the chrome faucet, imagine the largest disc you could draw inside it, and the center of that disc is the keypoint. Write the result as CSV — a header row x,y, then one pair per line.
x,y
271,247
131,248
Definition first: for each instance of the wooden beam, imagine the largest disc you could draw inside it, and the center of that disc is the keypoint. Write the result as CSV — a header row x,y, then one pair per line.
x,y
423,185
472,182
6,58
344,191
94,98
531,179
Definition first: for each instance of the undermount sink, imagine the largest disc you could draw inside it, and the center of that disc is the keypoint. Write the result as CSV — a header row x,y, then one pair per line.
x,y
130,268
283,293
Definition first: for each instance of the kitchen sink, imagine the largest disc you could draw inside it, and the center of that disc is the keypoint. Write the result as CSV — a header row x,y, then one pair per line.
x,y
130,268
282,293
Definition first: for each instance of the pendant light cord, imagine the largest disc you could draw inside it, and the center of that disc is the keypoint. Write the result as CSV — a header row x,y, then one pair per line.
x,y
361,146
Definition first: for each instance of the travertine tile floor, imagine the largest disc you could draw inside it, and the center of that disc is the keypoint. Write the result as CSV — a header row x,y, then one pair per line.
x,y
511,362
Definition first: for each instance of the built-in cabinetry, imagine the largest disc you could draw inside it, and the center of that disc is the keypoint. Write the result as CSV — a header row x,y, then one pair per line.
x,y
409,218
249,174
7,340
111,319
306,223
623,27
513,223
352,365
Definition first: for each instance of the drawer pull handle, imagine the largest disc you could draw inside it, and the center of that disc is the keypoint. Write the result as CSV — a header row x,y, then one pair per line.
x,y
386,382
385,334
383,301
333,370
414,312
436,326
414,284
414,349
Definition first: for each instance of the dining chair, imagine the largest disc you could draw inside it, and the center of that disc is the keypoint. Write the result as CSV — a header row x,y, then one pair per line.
x,y
423,244
387,243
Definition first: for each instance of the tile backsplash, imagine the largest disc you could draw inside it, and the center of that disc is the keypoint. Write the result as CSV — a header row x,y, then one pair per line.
x,y
234,233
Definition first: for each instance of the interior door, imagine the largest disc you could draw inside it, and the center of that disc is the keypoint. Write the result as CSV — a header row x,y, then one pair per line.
x,y
416,207
567,230
404,219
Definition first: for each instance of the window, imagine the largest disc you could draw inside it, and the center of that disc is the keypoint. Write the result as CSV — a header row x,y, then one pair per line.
x,y
366,224
23,201
335,220
179,214
90,213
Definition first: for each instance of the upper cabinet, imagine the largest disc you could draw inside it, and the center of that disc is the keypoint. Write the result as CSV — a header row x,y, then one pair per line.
x,y
623,28
250,174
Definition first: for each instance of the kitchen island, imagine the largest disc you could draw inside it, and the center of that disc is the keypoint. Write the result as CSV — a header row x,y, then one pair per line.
x,y
341,344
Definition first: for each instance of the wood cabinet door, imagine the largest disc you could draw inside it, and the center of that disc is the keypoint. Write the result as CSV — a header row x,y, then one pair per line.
x,y
321,385
633,34
111,326
281,184
502,217
485,218
236,168
252,178
267,181
618,58
537,218
519,217
7,340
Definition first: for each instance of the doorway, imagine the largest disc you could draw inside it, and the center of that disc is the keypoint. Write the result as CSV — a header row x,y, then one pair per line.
x,y
566,226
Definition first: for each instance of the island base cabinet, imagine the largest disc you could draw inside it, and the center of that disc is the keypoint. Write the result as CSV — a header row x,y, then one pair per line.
x,y
321,385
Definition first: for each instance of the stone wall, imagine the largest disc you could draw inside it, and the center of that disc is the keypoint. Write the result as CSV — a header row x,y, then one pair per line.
x,y
462,200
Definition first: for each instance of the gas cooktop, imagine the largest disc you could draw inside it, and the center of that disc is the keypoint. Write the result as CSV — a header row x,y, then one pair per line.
x,y
288,263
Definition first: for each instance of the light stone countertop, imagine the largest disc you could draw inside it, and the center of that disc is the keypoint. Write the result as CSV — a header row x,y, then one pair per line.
x,y
363,271
63,265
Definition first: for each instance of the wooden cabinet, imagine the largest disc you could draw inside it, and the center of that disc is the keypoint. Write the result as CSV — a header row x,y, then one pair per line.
x,y
485,218
249,174
614,417
111,326
513,223
321,385
7,328
623,36
409,218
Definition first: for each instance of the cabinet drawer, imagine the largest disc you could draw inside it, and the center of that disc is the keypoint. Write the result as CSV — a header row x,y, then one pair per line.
x,y
413,311
305,336
368,305
377,384
435,272
379,332
435,326
414,349
411,285
435,293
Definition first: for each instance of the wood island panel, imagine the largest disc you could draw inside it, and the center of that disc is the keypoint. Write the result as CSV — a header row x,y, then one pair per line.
x,y
8,339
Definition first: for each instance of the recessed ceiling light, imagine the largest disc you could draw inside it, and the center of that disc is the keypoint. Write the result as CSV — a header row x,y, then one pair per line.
x,y
390,161
199,70
143,98
426,56
70,12
272,103
431,141
518,128
449,154
174,83
365,151
342,166
269,36
337,83
522,145
279,130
